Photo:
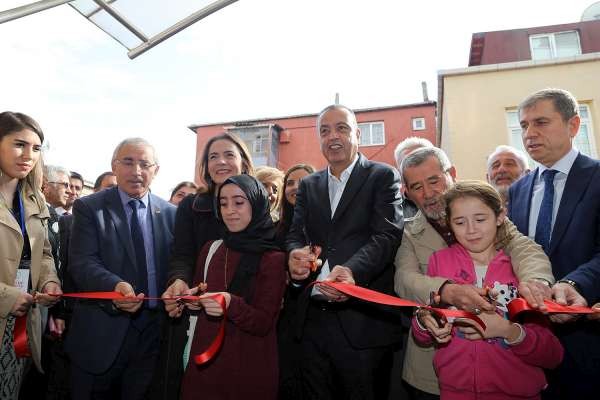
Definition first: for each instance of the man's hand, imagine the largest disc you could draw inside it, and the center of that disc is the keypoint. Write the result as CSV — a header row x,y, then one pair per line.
x,y
44,298
341,274
301,261
535,292
466,297
211,306
132,304
60,326
173,307
22,304
595,316
566,295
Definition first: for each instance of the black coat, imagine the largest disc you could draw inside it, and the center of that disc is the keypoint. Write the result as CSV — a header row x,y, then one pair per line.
x,y
363,235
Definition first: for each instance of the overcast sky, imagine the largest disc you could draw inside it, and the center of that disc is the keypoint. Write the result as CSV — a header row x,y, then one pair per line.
x,y
255,58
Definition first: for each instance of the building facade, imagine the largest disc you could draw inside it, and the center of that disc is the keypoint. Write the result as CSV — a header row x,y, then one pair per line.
x,y
285,141
477,105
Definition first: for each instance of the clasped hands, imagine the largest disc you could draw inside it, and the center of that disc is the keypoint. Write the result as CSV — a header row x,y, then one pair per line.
x,y
206,301
47,297
304,260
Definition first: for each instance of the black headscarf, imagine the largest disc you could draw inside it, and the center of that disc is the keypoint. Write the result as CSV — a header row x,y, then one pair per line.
x,y
252,242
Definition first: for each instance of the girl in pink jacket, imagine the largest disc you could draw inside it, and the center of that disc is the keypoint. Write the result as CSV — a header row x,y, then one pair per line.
x,y
506,361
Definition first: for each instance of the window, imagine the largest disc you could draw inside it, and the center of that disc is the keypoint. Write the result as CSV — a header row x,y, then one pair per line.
x,y
371,134
554,45
584,140
260,144
418,124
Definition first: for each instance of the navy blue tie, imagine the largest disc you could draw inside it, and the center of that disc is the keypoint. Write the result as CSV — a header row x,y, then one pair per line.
x,y
140,250
543,228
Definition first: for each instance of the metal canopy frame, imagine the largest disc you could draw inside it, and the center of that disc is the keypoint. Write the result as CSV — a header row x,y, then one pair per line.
x,y
108,6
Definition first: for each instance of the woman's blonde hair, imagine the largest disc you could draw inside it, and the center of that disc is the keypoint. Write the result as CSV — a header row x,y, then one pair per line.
x,y
272,175
488,195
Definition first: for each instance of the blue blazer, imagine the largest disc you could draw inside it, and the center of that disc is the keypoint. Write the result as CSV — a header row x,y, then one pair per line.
x,y
101,255
575,254
575,243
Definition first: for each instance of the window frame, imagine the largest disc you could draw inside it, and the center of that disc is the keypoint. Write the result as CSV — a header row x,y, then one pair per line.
x,y
362,132
414,123
553,50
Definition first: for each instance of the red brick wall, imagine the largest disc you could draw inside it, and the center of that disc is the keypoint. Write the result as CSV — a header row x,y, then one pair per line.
x,y
299,142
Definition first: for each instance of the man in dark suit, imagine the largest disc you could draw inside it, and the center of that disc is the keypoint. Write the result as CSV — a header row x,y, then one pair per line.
x,y
558,204
120,241
352,213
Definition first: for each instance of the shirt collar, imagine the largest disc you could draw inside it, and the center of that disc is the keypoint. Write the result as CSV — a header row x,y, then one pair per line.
x,y
125,198
345,173
563,165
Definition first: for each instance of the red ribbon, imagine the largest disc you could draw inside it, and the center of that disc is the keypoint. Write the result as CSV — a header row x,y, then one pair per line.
x,y
199,359
515,307
519,305
20,337
382,298
214,347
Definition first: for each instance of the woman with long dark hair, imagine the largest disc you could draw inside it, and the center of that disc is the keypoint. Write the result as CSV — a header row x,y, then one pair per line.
x,y
26,264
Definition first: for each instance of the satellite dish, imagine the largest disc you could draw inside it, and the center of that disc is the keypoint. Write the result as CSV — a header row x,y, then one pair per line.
x,y
592,13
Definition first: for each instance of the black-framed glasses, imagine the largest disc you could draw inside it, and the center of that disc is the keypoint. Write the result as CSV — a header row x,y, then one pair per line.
x,y
63,184
129,163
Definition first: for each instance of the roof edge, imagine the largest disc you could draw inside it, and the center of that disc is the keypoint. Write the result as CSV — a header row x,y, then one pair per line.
x,y
193,127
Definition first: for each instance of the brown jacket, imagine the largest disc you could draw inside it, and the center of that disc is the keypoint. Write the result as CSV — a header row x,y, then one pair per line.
x,y
42,264
419,242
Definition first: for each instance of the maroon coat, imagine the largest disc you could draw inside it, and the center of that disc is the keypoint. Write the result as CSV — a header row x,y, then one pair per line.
x,y
246,365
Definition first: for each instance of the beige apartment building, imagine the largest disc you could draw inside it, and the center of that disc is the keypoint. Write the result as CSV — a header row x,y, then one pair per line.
x,y
477,105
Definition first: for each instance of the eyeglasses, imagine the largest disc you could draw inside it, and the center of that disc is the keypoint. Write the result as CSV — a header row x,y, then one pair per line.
x,y
129,163
63,184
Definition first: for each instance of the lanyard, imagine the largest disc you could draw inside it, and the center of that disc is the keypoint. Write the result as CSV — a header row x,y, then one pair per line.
x,y
21,212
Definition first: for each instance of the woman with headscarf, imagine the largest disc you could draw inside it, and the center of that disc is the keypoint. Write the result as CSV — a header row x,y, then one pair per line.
x,y
26,264
224,155
248,270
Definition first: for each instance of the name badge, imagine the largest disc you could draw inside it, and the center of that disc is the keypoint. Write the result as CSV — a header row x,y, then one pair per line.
x,y
22,281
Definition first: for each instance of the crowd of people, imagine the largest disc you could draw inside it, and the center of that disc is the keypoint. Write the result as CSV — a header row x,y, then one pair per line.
x,y
266,242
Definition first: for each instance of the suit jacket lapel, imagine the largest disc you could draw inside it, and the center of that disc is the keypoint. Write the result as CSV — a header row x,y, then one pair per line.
x,y
576,185
117,213
355,182
323,195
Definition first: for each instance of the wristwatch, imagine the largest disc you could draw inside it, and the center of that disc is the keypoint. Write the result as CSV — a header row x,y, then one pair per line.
x,y
570,282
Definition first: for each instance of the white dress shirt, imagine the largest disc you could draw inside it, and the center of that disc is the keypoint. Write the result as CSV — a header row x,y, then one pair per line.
x,y
563,166
336,190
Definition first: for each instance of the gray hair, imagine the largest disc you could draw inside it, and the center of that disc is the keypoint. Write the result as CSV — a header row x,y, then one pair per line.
x,y
564,102
519,155
419,156
413,142
135,141
51,172
337,107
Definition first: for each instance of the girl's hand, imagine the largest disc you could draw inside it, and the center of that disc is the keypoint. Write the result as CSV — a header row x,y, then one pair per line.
x,y
44,298
441,334
196,290
496,327
212,306
22,304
